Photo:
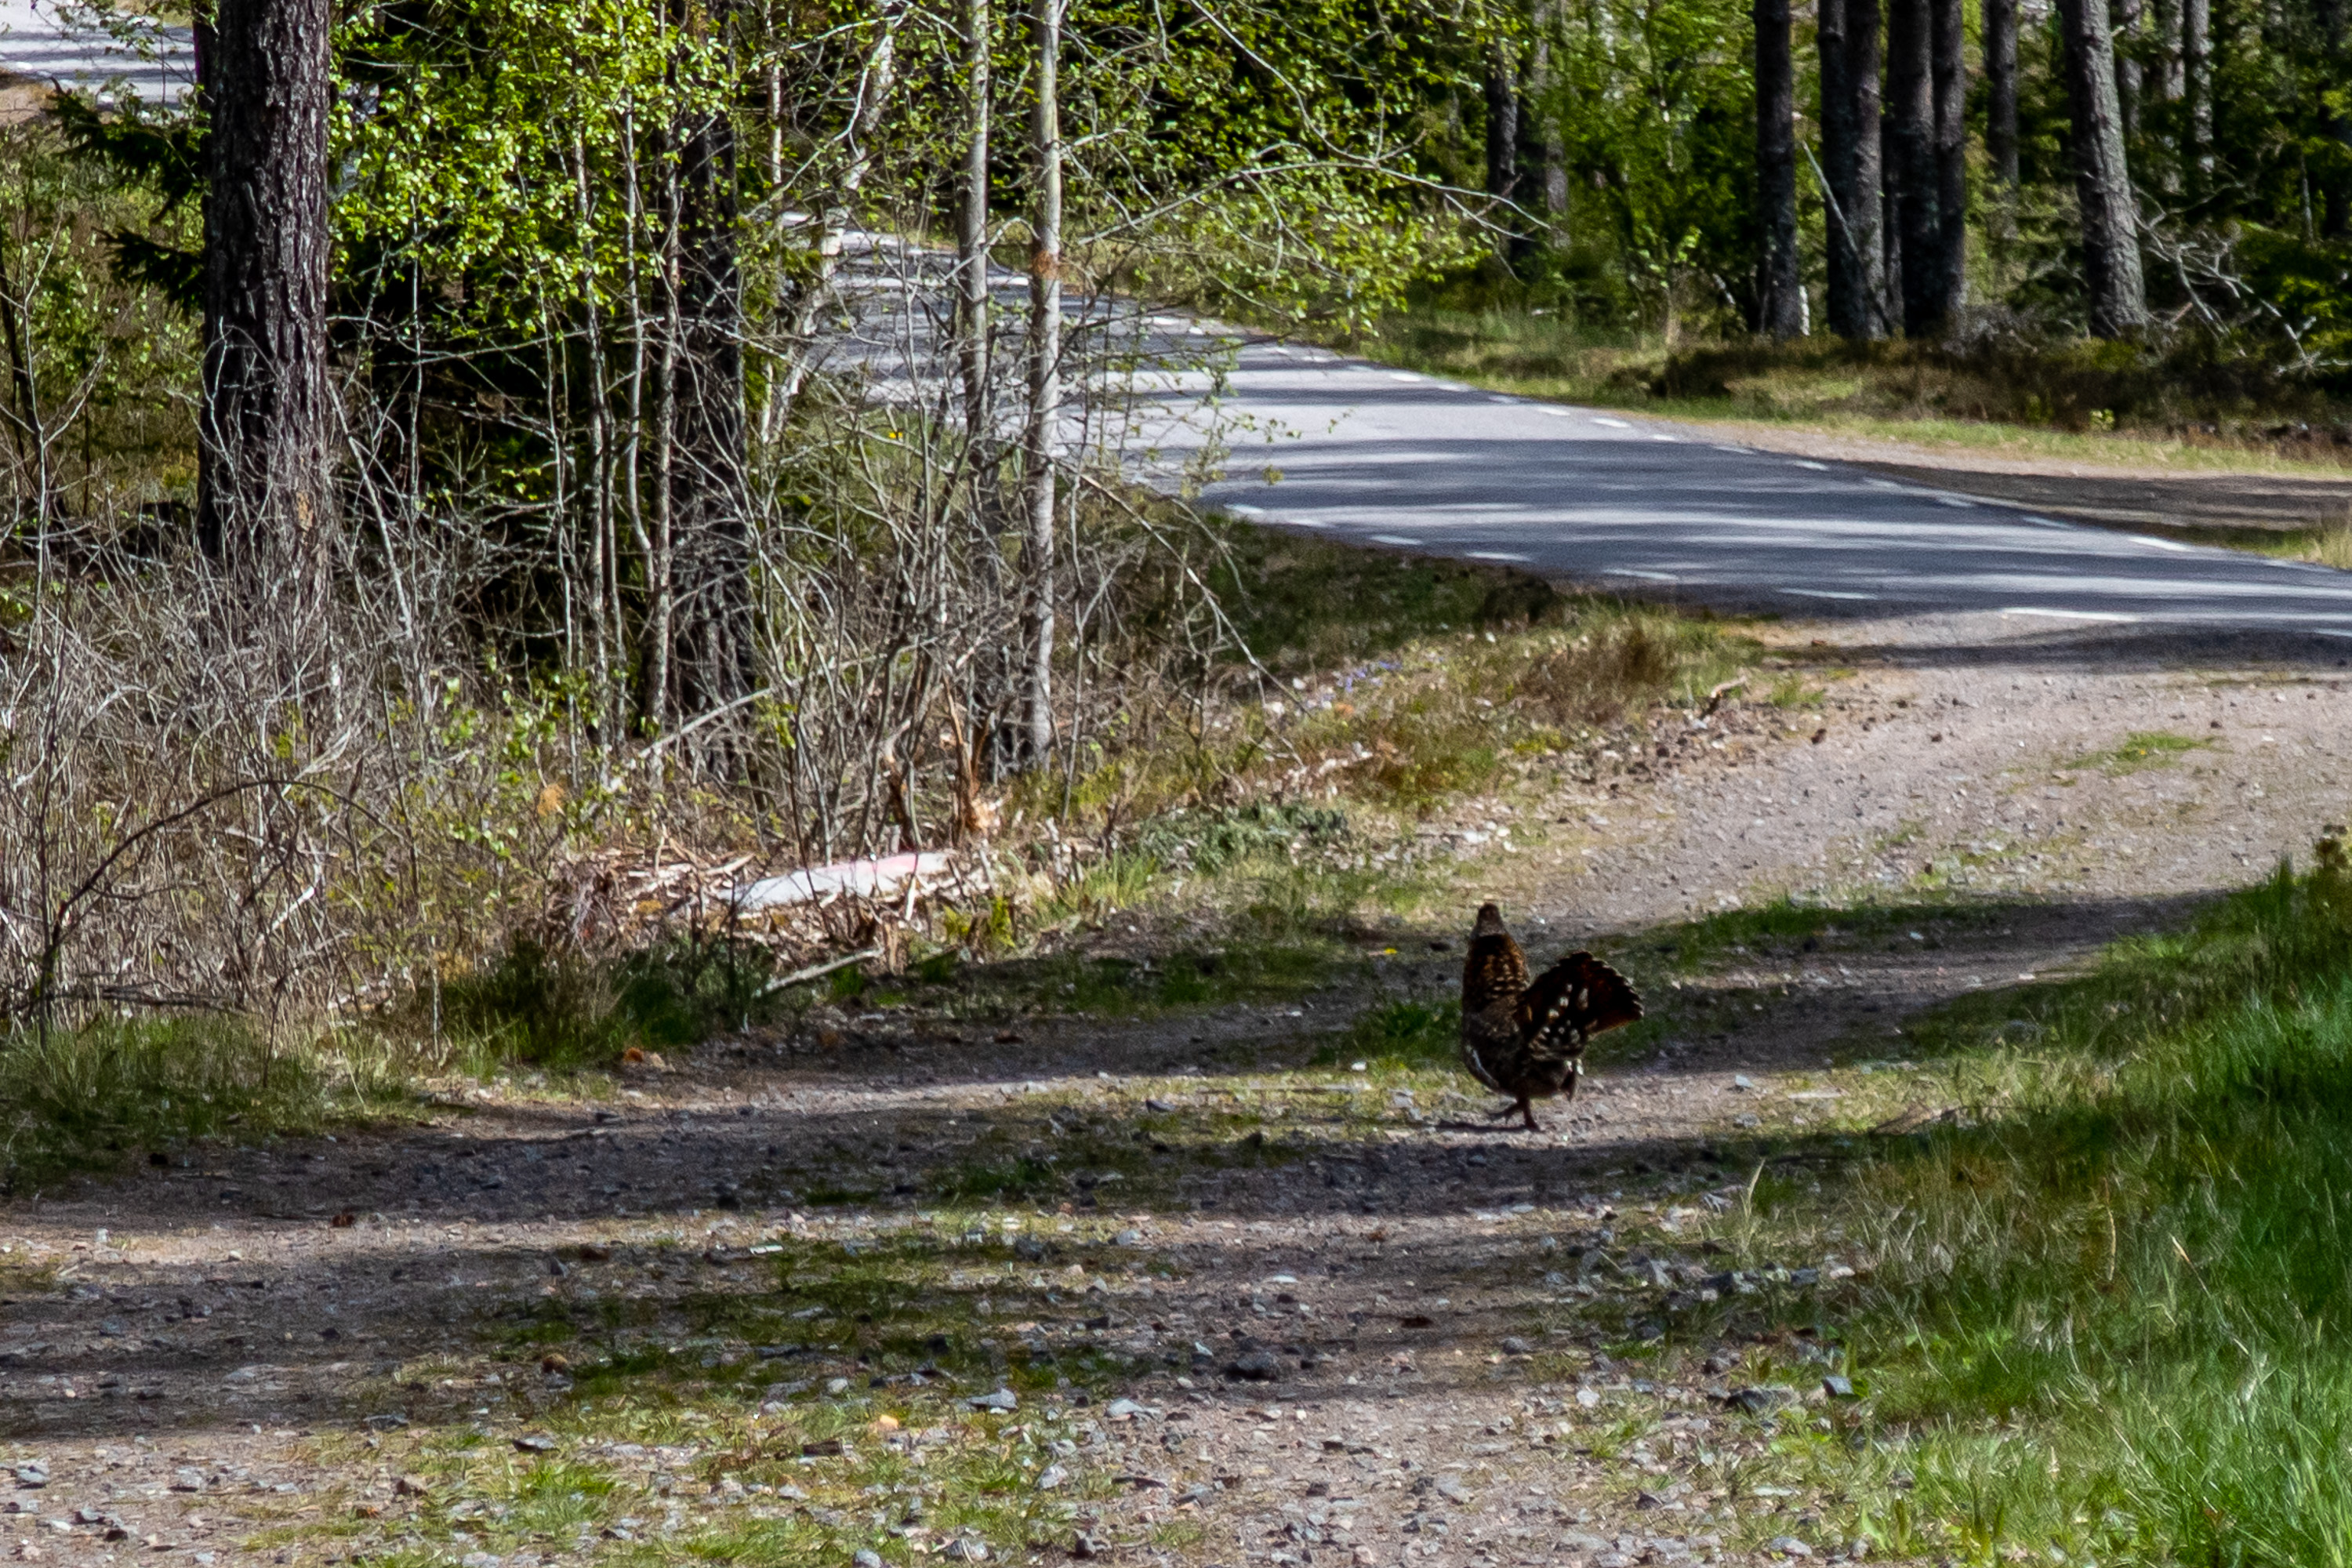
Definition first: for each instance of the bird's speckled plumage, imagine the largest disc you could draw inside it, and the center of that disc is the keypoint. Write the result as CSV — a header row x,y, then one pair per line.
x,y
1527,1040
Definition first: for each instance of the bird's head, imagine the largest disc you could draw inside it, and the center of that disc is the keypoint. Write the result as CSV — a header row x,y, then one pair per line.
x,y
1490,922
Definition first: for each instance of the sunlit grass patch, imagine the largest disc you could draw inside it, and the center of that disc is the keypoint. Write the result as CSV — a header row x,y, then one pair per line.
x,y
1786,926
2138,751
2105,1300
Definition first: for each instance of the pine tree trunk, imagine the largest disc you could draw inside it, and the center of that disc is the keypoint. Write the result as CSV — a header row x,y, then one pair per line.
x,y
710,504
1543,161
2000,91
1867,210
1951,132
2336,37
1911,163
2196,152
2128,74
2111,270
1849,314
1503,139
1045,379
263,497
1780,292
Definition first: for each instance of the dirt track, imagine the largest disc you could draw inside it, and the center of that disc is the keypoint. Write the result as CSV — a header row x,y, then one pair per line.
x,y
191,1355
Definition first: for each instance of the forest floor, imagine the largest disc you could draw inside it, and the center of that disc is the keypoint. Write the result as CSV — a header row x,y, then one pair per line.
x,y
1184,1288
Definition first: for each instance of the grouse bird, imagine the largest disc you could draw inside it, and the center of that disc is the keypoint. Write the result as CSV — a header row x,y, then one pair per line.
x,y
1528,1041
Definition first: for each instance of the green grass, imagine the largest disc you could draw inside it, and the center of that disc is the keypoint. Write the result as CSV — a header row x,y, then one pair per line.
x,y
2108,1308
2101,403
2139,751
112,1090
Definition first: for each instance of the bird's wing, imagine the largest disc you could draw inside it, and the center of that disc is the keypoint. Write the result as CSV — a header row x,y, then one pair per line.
x,y
1572,1001
1493,971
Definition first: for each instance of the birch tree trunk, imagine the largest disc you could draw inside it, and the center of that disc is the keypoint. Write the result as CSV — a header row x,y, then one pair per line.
x,y
2110,215
2000,92
710,502
1045,378
972,227
1781,290
1911,163
1951,132
263,499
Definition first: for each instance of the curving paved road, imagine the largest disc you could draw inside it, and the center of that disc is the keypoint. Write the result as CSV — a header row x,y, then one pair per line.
x,y
1408,462
44,42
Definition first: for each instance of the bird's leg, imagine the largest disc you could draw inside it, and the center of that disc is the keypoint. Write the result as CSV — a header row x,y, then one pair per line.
x,y
1499,1115
1529,1112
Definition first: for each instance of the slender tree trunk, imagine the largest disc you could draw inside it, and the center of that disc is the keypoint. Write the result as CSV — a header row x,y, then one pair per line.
x,y
972,227
1045,376
1503,137
710,502
2001,91
2336,37
1849,315
1781,290
2197,96
263,497
1951,133
1867,210
2127,73
2111,272
1543,161
1911,163
2166,83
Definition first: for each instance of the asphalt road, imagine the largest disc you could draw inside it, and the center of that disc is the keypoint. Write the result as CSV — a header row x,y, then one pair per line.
x,y
1383,458
41,42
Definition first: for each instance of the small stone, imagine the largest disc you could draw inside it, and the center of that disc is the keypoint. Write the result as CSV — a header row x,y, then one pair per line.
x,y
1002,1399
1789,1545
1763,1401
1085,1547
965,1551
1742,1081
865,1557
187,1480
1838,1387
1125,1410
1451,1490
1052,1476
477,1560
1516,1346
534,1444
389,1420
31,1475
1857,1550
411,1486
1257,1366
1586,1398
1127,1239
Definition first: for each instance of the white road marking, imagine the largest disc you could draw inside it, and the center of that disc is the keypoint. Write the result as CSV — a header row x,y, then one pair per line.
x,y
1494,555
2071,615
1827,593
1392,538
1613,424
